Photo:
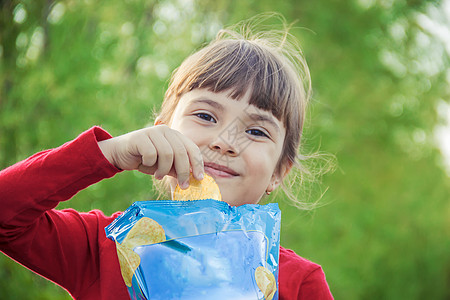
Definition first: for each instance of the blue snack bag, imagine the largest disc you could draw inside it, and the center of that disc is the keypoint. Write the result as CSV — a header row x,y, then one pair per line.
x,y
199,249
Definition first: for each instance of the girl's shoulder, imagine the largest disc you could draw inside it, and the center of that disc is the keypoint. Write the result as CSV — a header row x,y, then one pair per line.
x,y
292,263
288,258
300,278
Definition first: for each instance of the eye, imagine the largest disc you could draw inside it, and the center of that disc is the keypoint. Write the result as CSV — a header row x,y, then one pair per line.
x,y
206,117
257,132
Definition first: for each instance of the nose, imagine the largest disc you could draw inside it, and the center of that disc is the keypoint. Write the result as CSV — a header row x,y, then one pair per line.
x,y
223,146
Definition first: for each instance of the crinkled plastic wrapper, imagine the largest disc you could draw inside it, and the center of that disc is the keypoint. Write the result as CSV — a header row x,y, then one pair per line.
x,y
200,249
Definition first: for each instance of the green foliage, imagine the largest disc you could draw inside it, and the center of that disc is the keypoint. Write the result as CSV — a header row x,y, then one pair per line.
x,y
378,73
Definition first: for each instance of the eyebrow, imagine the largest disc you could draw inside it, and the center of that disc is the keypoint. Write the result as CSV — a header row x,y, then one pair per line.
x,y
212,103
264,118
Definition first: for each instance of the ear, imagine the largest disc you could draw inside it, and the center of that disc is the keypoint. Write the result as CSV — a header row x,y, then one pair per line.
x,y
278,176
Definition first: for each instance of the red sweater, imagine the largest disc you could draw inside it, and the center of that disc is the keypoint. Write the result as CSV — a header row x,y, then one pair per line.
x,y
70,248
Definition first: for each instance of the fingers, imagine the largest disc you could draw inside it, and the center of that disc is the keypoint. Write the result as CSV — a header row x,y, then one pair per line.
x,y
180,159
195,157
164,151
176,155
147,151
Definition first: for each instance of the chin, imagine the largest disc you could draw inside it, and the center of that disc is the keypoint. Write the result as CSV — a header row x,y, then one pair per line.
x,y
235,202
231,202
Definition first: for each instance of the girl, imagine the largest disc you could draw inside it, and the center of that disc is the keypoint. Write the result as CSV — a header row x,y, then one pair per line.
x,y
234,110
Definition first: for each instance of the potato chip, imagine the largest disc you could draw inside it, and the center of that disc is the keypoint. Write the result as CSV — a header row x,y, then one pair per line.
x,y
129,261
198,189
146,231
266,282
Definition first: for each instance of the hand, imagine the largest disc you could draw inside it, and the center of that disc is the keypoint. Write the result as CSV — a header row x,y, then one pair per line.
x,y
158,151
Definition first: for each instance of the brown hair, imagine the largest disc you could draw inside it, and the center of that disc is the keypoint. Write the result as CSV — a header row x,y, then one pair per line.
x,y
270,64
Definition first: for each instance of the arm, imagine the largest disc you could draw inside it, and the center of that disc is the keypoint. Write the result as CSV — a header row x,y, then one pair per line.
x,y
55,244
39,183
63,246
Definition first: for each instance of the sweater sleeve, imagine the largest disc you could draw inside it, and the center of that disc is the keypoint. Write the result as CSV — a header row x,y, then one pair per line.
x,y
56,244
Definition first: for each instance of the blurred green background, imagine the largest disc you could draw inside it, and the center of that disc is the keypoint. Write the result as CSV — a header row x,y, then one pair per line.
x,y
380,74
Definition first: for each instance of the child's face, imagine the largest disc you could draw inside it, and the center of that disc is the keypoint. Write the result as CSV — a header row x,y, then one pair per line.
x,y
241,144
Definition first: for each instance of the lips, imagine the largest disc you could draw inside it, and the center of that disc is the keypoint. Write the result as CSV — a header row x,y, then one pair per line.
x,y
216,170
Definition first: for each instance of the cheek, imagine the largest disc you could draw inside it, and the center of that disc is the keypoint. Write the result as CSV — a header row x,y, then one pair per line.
x,y
191,131
199,138
261,164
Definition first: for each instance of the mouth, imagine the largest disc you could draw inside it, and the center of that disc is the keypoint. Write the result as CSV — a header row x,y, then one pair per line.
x,y
216,170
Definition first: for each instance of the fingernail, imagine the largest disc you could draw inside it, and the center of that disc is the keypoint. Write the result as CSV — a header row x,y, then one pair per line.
x,y
200,175
184,185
